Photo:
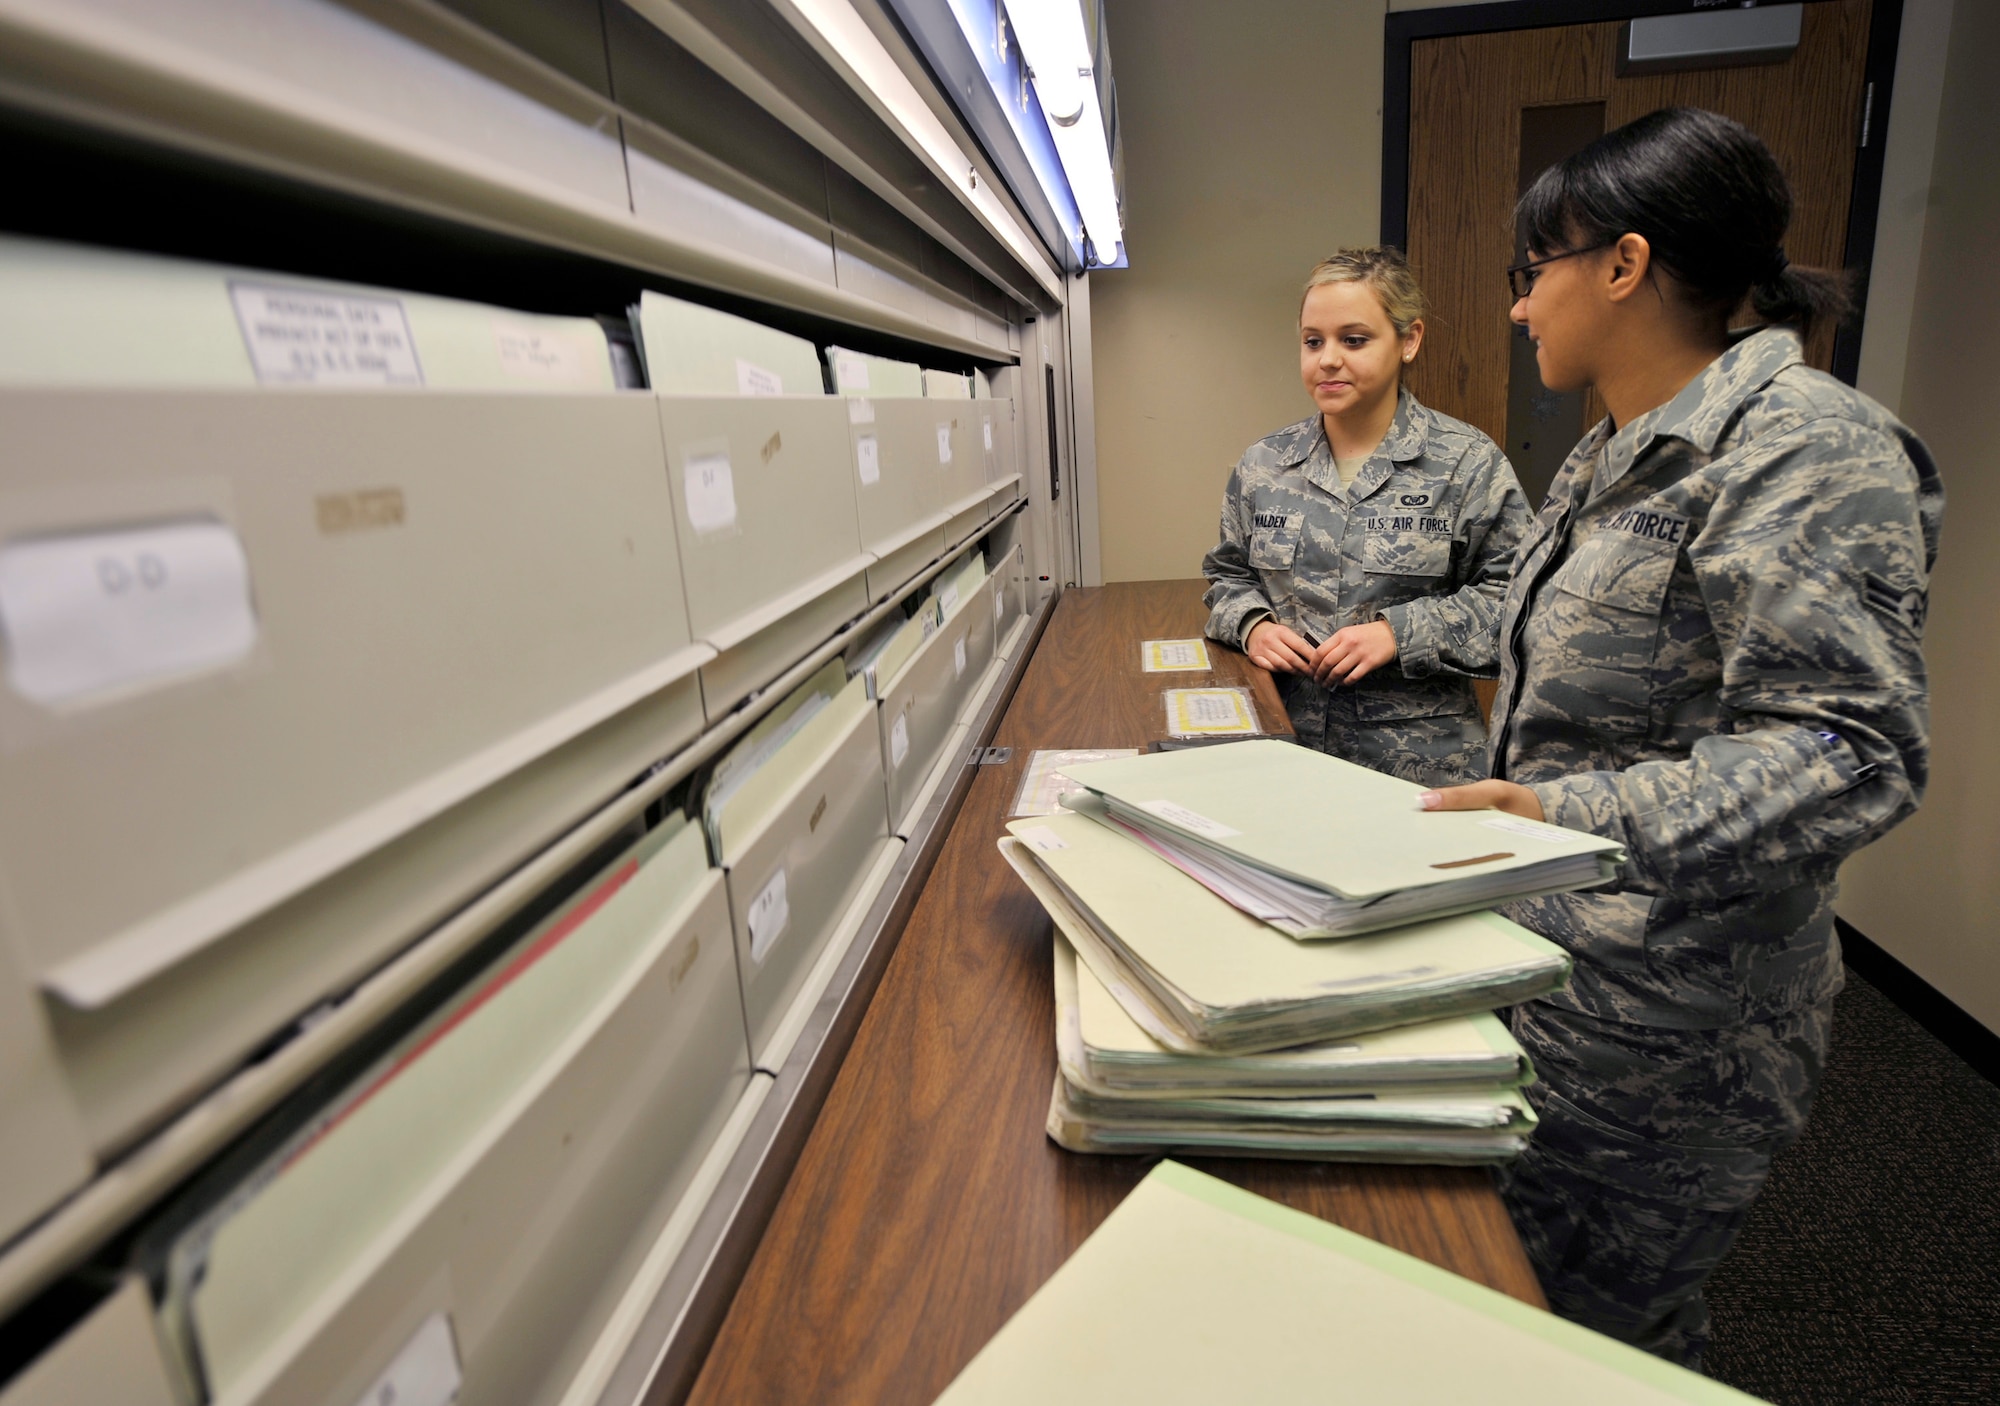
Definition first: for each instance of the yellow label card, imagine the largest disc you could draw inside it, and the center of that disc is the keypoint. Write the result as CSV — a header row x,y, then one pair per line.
x,y
1174,656
1211,712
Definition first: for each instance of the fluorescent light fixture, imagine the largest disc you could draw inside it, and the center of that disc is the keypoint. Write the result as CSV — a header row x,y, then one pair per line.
x,y
1059,65
844,38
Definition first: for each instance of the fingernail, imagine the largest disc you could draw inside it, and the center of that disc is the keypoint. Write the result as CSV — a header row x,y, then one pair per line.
x,y
1429,800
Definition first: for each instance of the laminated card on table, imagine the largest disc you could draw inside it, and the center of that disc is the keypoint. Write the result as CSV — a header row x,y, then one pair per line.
x,y
1043,785
1211,712
1174,656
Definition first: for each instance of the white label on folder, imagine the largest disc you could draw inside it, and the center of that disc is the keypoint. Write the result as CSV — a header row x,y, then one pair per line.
x,y
933,618
850,372
1190,820
958,657
752,379
536,354
899,739
1041,837
860,412
770,910
986,429
868,459
98,611
304,337
1513,825
711,492
424,1373
948,597
944,444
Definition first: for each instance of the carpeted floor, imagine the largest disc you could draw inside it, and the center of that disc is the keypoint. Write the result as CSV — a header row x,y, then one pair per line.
x,y
1870,1270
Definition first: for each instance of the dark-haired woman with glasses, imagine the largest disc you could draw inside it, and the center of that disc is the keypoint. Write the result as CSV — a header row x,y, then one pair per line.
x,y
1711,651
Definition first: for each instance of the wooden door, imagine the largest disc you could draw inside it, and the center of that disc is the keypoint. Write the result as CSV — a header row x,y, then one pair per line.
x,y
1489,111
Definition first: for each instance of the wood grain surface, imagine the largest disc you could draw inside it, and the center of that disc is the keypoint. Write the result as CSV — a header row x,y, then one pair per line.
x,y
1466,96
929,1204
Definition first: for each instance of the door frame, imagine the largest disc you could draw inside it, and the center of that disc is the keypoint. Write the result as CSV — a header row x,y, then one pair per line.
x,y
1403,28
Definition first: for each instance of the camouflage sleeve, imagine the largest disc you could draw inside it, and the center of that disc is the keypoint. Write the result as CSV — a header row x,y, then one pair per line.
x,y
1235,599
1813,565
1459,633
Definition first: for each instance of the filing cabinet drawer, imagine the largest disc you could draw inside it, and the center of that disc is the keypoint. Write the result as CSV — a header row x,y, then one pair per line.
x,y
111,1355
333,630
744,668
792,877
764,506
896,567
923,702
476,1203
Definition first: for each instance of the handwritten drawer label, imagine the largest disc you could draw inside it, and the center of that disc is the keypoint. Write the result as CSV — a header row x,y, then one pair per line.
x,y
899,739
958,658
944,444
868,459
770,910
305,337
99,611
711,492
986,429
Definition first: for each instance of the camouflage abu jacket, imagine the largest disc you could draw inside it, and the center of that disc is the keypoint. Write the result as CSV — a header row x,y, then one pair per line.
x,y
1424,538
1712,652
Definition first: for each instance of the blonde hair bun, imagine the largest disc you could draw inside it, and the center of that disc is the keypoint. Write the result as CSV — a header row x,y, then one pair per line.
x,y
1384,270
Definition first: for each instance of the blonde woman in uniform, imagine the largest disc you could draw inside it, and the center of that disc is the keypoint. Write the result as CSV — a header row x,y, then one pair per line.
x,y
1366,550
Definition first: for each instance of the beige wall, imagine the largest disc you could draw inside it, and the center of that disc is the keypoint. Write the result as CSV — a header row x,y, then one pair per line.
x,y
1253,139
1930,892
1253,147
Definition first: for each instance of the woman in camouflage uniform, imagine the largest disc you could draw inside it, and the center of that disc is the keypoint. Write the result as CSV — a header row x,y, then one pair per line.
x,y
1711,653
1365,551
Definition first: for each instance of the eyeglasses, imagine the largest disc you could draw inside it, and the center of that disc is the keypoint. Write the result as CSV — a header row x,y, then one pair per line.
x,y
1521,278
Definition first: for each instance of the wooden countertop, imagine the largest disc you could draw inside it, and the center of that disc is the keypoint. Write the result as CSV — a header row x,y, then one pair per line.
x,y
929,1204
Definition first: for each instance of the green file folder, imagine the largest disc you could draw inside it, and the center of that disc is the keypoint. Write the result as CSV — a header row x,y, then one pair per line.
x,y
1325,848
1194,1292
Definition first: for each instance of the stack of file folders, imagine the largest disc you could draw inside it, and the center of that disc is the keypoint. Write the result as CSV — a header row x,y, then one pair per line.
x,y
1191,1015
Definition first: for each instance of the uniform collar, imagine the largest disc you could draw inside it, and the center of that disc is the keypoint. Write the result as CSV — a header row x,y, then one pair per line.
x,y
1408,435
1708,404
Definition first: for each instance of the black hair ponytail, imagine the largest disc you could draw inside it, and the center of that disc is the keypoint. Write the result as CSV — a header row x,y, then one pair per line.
x,y
1709,198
